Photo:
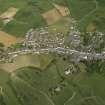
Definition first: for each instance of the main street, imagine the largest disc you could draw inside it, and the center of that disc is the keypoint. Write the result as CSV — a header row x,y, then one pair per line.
x,y
62,51
43,41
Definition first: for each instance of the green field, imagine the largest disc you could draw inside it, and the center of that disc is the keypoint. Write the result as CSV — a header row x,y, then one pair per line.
x,y
41,79
87,12
28,16
30,85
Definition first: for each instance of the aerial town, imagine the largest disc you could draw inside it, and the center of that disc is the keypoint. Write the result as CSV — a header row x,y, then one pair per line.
x,y
42,41
52,52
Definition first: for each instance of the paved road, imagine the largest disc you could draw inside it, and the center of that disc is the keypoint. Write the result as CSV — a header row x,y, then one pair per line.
x,y
62,51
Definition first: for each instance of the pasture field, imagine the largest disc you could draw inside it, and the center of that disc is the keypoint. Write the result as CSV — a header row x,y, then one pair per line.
x,y
28,85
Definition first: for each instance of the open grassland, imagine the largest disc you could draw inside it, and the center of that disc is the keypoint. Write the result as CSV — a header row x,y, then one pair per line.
x,y
31,85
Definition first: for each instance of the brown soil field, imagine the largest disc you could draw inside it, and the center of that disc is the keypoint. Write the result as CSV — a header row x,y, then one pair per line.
x,y
7,39
52,16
